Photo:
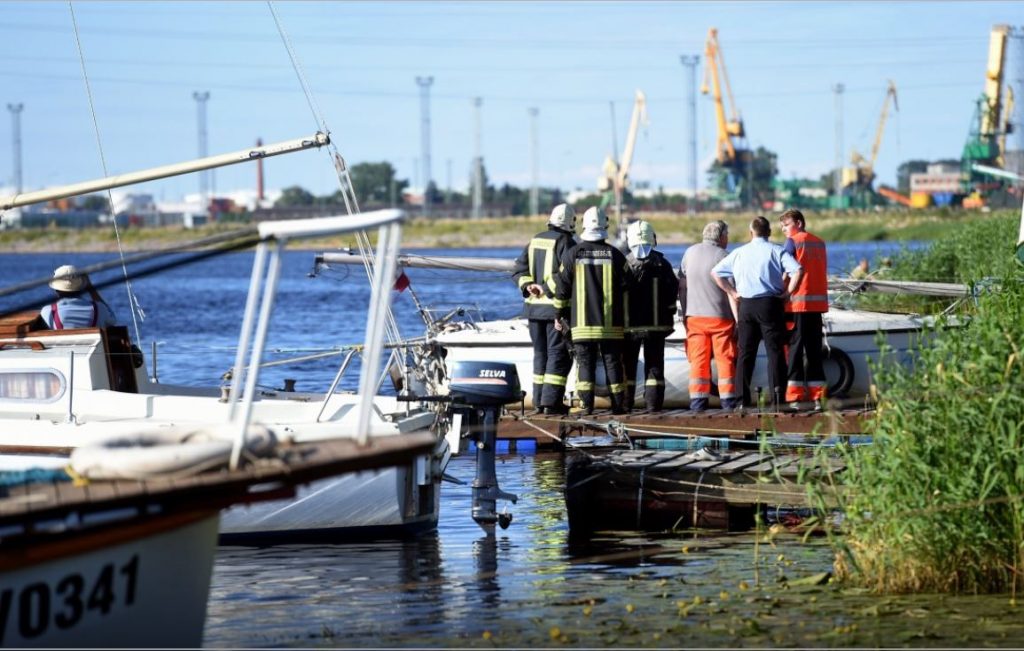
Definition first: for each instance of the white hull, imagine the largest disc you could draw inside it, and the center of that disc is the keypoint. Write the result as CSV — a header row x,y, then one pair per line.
x,y
149,590
853,332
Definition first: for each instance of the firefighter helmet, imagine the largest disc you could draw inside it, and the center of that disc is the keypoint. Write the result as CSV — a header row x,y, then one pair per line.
x,y
595,225
640,238
563,216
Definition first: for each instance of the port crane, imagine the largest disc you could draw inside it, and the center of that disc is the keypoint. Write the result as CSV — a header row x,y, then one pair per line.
x,y
731,151
615,174
859,178
986,140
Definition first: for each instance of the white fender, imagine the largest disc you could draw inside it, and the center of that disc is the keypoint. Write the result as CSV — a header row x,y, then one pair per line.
x,y
177,452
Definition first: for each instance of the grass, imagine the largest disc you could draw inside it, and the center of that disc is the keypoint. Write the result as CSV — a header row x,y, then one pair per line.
x,y
937,502
515,231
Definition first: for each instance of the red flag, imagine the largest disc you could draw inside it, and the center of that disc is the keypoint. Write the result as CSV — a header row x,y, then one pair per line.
x,y
401,282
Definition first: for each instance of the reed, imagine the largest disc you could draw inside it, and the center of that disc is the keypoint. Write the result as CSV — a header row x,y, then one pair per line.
x,y
937,502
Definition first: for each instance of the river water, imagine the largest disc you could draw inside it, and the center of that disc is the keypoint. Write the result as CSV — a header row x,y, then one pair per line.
x,y
527,586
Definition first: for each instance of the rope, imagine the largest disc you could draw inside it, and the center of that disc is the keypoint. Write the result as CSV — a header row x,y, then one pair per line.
x,y
133,301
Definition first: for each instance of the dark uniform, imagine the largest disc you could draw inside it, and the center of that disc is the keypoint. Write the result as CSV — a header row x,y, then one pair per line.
x,y
538,264
650,314
592,283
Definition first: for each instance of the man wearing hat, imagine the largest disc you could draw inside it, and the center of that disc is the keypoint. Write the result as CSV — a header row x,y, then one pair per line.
x,y
649,315
534,272
78,304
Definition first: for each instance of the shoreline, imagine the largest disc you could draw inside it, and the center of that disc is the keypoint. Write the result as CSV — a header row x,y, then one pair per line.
x,y
507,232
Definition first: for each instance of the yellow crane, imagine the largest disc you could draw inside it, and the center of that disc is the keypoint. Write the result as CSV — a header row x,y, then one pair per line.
x,y
862,174
615,176
728,127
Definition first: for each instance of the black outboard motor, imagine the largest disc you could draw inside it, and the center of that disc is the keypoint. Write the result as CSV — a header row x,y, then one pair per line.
x,y
480,389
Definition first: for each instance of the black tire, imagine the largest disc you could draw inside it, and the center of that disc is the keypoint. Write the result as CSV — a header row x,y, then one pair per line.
x,y
842,361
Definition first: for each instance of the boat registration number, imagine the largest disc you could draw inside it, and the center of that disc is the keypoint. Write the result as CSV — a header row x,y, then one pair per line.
x,y
63,603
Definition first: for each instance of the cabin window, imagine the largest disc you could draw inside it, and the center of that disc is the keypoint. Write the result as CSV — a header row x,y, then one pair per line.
x,y
42,386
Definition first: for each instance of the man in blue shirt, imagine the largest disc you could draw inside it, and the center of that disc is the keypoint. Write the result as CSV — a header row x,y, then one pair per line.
x,y
78,304
756,271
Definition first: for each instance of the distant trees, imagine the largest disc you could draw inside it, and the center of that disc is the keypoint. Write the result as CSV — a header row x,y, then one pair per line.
x,y
295,196
375,183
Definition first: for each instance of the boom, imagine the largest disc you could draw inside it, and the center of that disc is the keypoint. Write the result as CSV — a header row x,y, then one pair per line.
x,y
730,127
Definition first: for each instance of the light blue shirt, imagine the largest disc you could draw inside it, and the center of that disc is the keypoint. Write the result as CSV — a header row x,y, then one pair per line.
x,y
77,312
757,268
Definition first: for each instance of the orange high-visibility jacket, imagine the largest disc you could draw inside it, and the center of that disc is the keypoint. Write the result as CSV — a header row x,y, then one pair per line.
x,y
812,294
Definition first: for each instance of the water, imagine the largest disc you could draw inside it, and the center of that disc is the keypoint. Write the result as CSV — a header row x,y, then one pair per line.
x,y
527,586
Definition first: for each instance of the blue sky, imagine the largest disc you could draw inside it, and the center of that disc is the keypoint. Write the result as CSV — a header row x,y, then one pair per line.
x,y
567,59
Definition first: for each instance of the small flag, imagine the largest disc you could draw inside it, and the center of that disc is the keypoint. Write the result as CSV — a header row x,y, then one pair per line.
x,y
401,282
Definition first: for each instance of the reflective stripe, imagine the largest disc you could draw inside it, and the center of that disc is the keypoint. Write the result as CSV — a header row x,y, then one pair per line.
x,y
699,394
654,383
597,332
557,380
584,386
726,394
606,291
525,280
807,298
538,378
561,303
617,388
706,380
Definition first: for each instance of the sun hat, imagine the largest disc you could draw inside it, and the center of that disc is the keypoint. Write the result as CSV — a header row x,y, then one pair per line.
x,y
68,278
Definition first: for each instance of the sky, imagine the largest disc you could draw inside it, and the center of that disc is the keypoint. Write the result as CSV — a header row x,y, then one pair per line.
x,y
571,61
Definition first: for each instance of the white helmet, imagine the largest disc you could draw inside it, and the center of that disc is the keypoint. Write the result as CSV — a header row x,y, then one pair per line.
x,y
595,225
563,216
640,238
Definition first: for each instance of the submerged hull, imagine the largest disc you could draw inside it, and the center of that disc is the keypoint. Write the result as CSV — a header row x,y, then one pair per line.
x,y
851,341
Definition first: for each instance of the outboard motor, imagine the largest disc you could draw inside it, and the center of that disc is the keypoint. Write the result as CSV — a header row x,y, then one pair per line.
x,y
480,389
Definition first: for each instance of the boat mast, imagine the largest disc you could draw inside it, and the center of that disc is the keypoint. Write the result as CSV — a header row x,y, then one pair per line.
x,y
255,153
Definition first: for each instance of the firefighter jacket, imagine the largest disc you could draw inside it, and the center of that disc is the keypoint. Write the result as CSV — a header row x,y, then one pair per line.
x,y
538,263
651,300
812,294
592,284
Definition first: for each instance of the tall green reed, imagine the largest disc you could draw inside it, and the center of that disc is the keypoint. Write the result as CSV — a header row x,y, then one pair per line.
x,y
937,502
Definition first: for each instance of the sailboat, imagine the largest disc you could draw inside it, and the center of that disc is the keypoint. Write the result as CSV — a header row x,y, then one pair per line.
x,y
851,344
123,557
61,389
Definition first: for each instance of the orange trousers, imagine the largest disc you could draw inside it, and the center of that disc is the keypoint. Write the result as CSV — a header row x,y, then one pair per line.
x,y
707,336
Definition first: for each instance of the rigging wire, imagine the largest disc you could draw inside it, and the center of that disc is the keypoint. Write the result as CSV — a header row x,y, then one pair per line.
x,y
133,301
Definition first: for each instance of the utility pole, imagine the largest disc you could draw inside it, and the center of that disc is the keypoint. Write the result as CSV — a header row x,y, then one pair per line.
x,y
615,137
691,65
204,178
16,110
837,179
478,163
424,84
534,162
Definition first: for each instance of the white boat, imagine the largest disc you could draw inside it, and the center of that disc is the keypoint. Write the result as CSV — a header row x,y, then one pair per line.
x,y
123,557
851,342
66,388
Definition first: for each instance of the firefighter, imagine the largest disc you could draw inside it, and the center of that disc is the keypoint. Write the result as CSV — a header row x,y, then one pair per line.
x,y
804,309
534,272
591,284
710,320
650,312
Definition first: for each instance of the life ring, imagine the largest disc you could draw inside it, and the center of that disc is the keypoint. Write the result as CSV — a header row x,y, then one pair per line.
x,y
179,453
846,372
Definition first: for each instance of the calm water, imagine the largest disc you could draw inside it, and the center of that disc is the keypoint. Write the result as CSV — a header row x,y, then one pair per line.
x,y
527,586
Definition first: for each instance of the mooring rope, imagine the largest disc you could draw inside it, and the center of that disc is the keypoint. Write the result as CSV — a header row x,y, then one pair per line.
x,y
133,301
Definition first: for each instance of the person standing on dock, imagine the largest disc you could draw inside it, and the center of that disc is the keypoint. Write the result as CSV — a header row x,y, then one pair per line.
x,y
804,309
534,272
709,317
591,286
78,304
756,270
649,315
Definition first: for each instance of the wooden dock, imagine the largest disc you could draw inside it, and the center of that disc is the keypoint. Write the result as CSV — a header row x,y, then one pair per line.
x,y
548,430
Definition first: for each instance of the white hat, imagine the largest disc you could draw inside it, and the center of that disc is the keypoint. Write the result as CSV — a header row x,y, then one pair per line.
x,y
564,217
67,278
640,238
595,225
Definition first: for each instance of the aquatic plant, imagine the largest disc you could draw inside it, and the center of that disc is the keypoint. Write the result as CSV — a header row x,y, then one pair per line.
x,y
937,502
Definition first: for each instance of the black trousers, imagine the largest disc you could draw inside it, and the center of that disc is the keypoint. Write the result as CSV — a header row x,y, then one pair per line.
x,y
653,344
805,347
610,351
551,364
762,319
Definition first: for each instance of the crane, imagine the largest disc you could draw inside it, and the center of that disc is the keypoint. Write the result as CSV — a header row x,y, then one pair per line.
x,y
615,175
862,174
990,124
731,151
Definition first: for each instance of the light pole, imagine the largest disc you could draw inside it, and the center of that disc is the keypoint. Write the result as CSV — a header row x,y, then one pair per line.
x,y
424,84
